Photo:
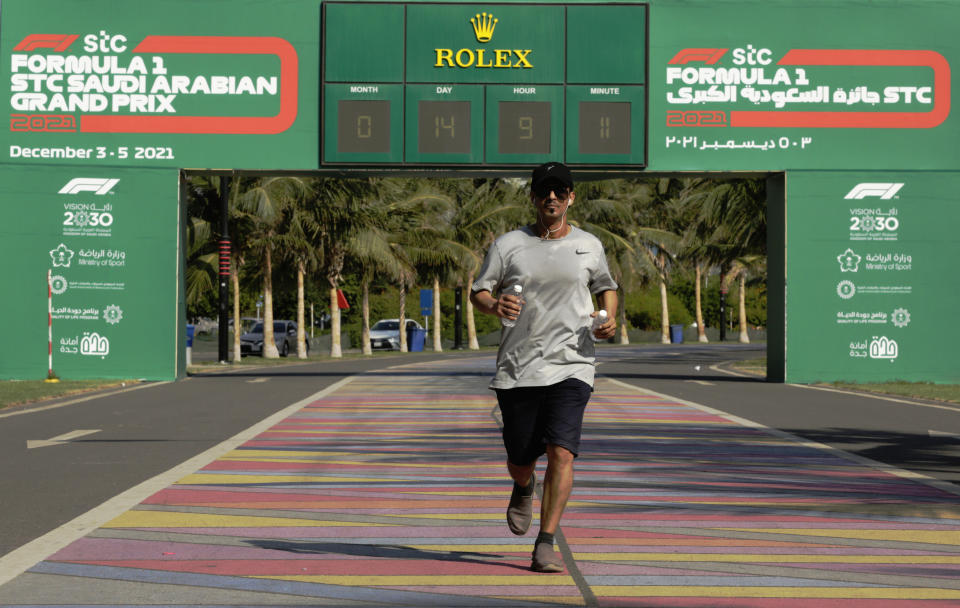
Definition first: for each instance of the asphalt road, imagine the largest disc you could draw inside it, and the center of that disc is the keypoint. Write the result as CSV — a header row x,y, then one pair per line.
x,y
141,433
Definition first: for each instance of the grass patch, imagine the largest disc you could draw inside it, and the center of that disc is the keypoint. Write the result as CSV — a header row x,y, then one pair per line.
x,y
18,392
916,390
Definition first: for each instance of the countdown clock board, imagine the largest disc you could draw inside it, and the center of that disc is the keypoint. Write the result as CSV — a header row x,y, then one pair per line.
x,y
484,84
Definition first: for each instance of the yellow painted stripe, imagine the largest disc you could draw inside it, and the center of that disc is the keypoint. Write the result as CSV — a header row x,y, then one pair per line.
x,y
200,479
167,519
940,537
778,558
873,593
570,600
457,580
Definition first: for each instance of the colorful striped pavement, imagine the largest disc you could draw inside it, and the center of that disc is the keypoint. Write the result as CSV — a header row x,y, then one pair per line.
x,y
391,490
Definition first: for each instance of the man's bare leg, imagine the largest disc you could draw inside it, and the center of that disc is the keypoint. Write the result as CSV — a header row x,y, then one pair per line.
x,y
521,473
520,508
557,485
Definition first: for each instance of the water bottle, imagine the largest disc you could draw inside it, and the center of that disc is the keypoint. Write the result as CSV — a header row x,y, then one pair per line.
x,y
598,320
516,290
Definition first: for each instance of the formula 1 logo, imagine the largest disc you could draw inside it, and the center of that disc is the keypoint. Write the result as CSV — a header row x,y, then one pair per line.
x,y
56,42
885,191
98,186
707,56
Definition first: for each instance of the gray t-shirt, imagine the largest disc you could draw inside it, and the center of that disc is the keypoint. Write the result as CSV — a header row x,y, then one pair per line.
x,y
551,340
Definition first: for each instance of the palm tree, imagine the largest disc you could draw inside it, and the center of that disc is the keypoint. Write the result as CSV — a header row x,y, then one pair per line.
x,y
265,203
739,270
341,209
659,236
297,244
697,247
732,220
373,252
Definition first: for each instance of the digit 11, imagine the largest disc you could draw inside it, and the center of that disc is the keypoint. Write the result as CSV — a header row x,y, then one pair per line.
x,y
604,127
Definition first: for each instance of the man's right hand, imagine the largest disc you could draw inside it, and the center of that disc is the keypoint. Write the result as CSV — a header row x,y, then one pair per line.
x,y
508,306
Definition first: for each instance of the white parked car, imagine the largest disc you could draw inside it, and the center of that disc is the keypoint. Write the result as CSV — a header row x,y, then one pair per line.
x,y
385,333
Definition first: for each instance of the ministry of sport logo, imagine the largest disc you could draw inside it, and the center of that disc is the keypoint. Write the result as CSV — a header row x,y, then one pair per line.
x,y
882,190
97,185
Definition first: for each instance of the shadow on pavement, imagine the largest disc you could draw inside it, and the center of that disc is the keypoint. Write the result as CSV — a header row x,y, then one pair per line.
x,y
380,551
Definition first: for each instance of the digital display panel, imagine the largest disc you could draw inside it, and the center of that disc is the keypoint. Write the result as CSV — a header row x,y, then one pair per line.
x,y
443,127
524,127
448,83
604,127
363,126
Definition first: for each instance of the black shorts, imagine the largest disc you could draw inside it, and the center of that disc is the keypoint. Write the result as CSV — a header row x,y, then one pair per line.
x,y
534,416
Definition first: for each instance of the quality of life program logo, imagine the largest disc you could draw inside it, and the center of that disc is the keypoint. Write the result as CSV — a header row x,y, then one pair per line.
x,y
104,82
759,86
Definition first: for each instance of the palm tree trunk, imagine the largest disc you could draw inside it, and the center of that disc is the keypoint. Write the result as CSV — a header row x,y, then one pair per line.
x,y
437,346
624,337
701,330
403,316
335,350
301,335
744,337
235,284
365,313
664,313
472,342
269,343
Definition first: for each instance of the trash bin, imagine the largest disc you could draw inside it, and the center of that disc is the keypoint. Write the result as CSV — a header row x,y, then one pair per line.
x,y
415,339
676,334
190,331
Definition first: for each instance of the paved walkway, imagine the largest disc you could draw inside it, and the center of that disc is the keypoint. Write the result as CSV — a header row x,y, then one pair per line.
x,y
390,491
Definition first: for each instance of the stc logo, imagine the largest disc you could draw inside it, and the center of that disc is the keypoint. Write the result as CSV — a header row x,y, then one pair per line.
x,y
885,191
97,185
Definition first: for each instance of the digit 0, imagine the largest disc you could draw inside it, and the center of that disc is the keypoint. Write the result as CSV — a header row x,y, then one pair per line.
x,y
364,126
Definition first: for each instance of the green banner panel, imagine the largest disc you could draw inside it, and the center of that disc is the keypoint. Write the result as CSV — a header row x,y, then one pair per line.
x,y
444,124
363,42
174,83
109,239
524,124
606,44
803,85
871,276
480,43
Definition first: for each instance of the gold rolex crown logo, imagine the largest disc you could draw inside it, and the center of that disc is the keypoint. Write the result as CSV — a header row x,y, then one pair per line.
x,y
483,25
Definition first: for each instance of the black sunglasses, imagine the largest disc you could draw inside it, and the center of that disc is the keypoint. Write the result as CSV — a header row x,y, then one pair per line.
x,y
544,190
